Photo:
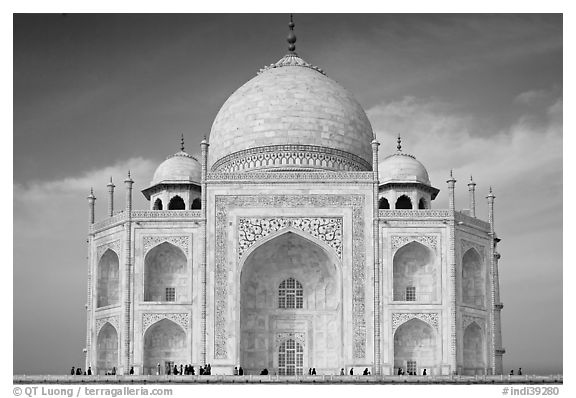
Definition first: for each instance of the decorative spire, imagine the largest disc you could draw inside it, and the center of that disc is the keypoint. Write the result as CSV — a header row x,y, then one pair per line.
x,y
399,146
110,184
291,36
471,182
182,142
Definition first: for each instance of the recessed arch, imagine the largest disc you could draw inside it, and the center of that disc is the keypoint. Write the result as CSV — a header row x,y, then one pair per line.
x,y
416,347
108,279
473,349
165,268
157,204
383,204
473,279
285,256
403,202
165,343
106,349
414,273
176,203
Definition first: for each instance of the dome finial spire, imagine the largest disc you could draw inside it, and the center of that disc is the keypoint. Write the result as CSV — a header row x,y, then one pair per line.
x,y
399,146
291,36
182,142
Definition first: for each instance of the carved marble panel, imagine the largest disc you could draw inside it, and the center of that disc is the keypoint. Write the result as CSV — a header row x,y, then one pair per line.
x,y
221,293
114,246
427,240
298,337
328,230
468,319
114,320
150,318
183,242
431,318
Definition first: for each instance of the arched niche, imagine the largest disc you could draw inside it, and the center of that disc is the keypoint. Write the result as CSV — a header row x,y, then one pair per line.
x,y
165,343
108,283
473,279
473,348
284,257
165,268
403,202
415,345
415,273
176,203
107,349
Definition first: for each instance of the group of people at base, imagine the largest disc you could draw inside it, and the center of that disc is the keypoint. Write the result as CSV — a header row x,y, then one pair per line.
x,y
519,372
78,371
401,372
185,370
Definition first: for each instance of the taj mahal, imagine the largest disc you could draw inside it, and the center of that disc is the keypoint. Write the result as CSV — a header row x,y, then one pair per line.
x,y
294,240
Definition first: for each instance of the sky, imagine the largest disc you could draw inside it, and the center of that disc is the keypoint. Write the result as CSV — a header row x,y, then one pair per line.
x,y
97,95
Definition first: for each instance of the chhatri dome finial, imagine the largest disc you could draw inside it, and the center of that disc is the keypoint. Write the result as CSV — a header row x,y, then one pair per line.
x,y
399,146
182,142
291,36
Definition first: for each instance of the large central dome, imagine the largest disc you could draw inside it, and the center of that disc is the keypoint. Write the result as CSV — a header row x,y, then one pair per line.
x,y
291,116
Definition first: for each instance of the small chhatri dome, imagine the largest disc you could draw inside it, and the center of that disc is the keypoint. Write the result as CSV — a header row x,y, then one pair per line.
x,y
291,106
401,167
178,168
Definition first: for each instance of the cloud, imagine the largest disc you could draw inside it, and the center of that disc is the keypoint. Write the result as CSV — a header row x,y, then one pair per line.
x,y
530,96
443,137
42,207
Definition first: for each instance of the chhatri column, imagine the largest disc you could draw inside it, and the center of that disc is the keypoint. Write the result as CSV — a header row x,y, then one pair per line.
x,y
126,330
377,350
111,187
451,221
88,349
204,171
472,197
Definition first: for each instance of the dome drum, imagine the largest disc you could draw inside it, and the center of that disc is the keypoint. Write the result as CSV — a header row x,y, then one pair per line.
x,y
289,157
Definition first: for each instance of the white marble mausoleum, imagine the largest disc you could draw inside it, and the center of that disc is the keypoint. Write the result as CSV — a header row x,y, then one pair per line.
x,y
293,242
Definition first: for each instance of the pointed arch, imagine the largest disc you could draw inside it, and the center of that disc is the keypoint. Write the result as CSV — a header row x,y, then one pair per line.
x,y
474,349
106,348
422,204
196,204
166,274
383,204
165,343
473,279
176,203
403,202
415,273
108,279
289,256
416,346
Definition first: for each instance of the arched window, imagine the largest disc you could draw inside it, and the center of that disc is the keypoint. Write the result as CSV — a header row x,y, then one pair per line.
x,y
383,203
176,203
422,203
290,358
157,204
290,294
403,202
196,204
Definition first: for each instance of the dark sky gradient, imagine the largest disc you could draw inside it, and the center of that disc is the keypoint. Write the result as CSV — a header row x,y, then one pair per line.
x,y
96,94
